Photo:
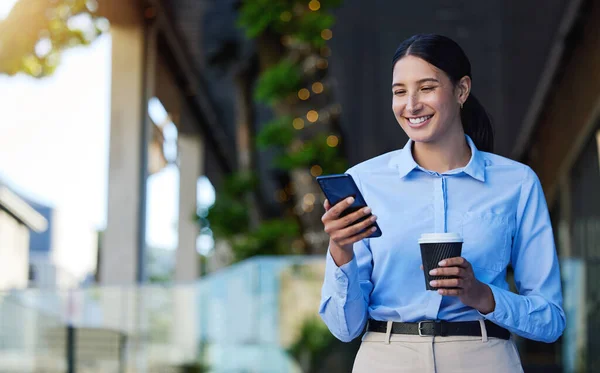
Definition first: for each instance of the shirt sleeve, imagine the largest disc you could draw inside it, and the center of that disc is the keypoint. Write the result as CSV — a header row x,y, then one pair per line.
x,y
345,293
536,312
346,290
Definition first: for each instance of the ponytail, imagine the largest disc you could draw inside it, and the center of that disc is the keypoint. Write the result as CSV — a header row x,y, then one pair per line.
x,y
477,124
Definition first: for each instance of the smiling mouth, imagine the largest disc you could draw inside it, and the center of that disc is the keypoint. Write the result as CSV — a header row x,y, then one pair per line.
x,y
418,121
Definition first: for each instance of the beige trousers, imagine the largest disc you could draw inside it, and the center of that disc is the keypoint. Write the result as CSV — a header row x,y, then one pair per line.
x,y
398,353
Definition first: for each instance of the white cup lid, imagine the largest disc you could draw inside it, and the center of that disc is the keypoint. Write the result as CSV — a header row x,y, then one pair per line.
x,y
440,238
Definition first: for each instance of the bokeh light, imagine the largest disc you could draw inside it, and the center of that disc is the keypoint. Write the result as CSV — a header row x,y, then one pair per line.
x,y
322,64
316,170
309,199
312,116
298,123
303,94
332,141
317,87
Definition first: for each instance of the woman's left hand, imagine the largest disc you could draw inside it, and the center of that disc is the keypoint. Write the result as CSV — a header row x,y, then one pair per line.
x,y
469,290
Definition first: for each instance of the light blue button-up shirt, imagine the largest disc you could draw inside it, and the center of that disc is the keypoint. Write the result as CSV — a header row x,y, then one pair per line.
x,y
499,208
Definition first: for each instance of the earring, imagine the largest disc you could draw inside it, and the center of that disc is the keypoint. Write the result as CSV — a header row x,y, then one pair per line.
x,y
461,105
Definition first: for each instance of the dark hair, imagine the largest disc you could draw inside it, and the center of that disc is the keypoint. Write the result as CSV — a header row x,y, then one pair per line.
x,y
445,54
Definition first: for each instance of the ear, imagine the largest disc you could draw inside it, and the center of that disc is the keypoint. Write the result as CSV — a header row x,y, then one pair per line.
x,y
463,89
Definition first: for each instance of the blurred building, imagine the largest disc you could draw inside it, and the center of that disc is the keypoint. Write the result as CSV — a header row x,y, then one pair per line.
x,y
39,249
150,61
563,146
17,219
64,255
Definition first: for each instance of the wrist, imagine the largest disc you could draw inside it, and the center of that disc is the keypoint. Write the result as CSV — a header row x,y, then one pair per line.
x,y
487,302
340,255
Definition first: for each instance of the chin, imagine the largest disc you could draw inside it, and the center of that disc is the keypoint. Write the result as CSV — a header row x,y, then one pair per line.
x,y
419,135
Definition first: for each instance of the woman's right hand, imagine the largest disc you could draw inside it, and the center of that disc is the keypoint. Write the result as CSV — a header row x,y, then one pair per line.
x,y
341,230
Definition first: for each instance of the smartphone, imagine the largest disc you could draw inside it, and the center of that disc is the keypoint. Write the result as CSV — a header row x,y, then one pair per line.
x,y
341,186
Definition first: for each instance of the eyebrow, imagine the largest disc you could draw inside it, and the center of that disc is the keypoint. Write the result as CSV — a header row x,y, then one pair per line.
x,y
421,81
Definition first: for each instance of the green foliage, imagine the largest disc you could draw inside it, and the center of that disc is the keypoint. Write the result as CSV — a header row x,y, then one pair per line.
x,y
255,16
229,217
310,26
313,340
33,21
193,367
271,237
278,82
301,158
278,132
229,214
238,184
230,221
259,16
314,151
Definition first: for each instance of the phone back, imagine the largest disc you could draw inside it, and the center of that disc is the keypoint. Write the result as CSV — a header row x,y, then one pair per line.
x,y
339,187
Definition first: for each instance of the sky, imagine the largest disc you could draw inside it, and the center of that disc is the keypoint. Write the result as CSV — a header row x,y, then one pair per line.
x,y
55,143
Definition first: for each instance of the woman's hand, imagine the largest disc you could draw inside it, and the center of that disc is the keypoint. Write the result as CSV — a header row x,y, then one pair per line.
x,y
343,233
469,290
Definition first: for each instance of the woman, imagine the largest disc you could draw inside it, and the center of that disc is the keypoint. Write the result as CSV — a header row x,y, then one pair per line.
x,y
444,180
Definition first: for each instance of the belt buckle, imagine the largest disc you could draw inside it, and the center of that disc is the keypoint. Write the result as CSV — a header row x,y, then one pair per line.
x,y
420,329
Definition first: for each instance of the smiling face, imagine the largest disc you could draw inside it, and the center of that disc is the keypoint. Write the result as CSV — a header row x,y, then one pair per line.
x,y
425,102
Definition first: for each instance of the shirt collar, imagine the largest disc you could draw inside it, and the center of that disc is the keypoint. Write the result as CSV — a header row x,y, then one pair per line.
x,y
405,162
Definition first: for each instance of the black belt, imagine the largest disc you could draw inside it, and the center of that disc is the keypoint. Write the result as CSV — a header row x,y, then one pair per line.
x,y
440,328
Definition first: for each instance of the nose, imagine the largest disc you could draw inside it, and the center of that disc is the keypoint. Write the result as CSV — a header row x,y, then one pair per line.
x,y
413,104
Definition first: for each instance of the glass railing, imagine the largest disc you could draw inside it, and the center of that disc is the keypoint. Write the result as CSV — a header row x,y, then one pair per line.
x,y
244,318
259,315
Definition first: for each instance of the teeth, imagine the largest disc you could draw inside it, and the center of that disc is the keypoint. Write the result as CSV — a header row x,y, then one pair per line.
x,y
418,120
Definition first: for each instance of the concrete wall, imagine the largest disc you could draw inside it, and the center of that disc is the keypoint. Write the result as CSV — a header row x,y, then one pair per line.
x,y
14,252
118,256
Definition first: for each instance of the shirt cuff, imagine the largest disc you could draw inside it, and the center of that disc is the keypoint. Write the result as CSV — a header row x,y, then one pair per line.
x,y
342,280
500,314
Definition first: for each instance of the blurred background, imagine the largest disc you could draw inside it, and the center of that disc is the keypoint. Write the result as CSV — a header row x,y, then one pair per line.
x,y
158,209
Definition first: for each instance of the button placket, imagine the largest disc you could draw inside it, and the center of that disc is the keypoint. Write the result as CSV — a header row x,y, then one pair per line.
x,y
439,207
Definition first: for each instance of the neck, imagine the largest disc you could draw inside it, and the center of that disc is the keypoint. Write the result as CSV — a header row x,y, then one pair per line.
x,y
443,155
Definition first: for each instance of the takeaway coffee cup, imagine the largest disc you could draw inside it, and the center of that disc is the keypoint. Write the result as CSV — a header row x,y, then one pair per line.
x,y
434,248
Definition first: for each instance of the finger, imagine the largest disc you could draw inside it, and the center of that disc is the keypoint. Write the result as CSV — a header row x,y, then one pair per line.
x,y
448,271
458,261
335,211
346,221
359,236
450,292
449,283
327,205
354,229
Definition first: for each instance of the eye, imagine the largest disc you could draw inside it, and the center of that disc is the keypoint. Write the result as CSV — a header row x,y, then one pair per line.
x,y
427,89
399,92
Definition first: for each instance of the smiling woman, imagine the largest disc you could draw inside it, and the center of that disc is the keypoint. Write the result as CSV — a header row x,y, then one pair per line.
x,y
444,180
426,82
